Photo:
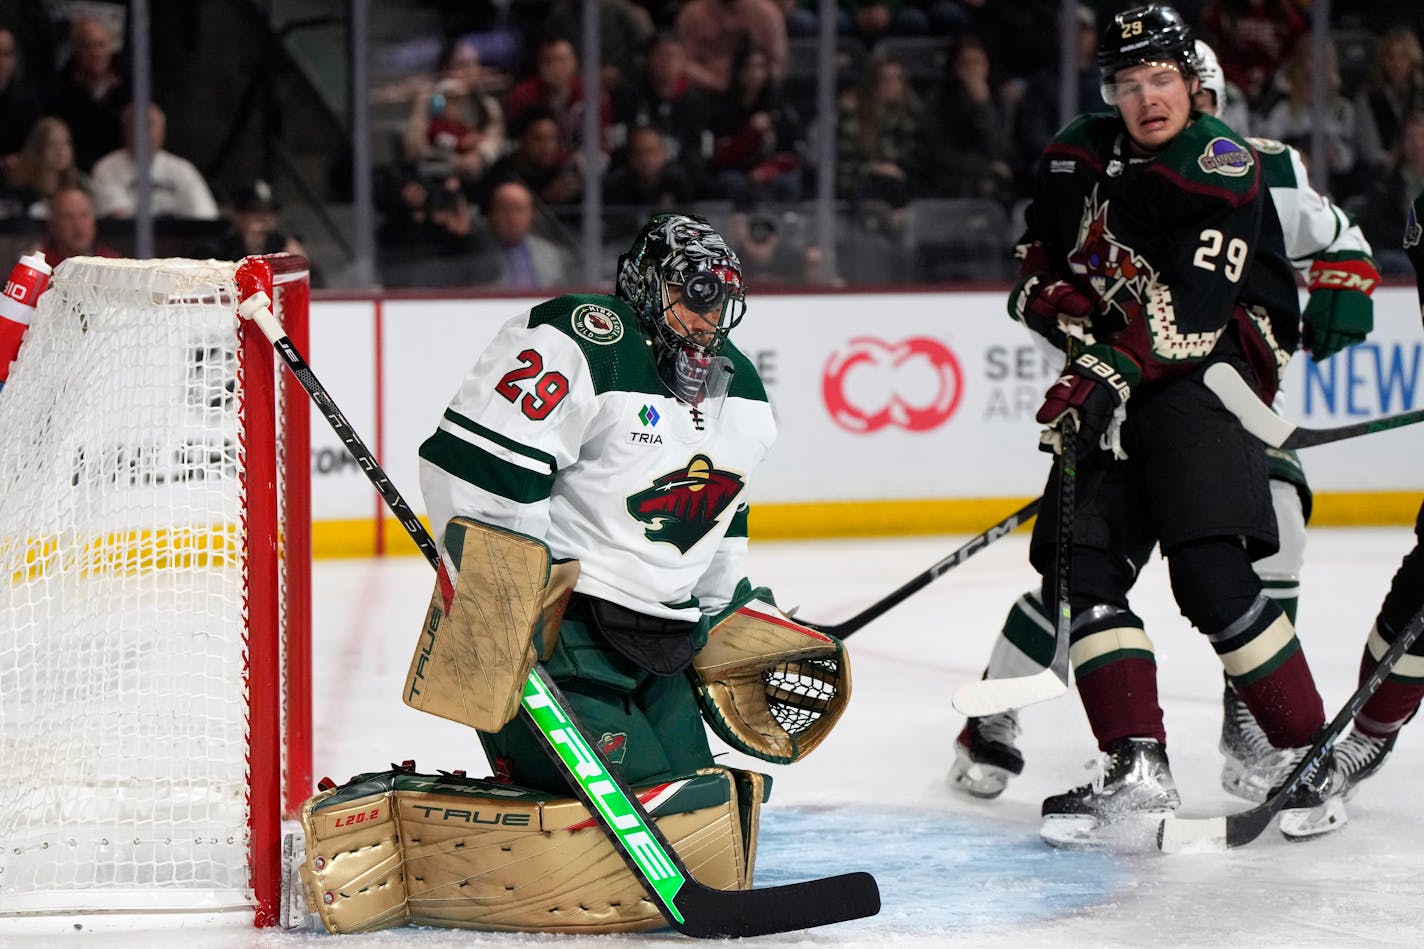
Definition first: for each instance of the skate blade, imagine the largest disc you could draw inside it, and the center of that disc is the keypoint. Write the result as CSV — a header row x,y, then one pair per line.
x,y
1307,823
1136,833
982,781
1237,780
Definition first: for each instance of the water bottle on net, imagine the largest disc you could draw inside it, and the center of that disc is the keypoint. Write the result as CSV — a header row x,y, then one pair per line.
x,y
28,279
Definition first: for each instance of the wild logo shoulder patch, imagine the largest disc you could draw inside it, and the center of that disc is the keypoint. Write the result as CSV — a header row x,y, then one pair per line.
x,y
1267,146
1222,156
597,324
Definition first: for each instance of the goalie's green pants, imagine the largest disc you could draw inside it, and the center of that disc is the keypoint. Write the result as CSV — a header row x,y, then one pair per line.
x,y
648,726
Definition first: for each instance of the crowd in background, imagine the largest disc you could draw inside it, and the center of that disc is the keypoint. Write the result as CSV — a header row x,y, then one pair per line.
x,y
942,108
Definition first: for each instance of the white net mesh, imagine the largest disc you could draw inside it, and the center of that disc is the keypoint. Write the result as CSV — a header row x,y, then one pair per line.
x,y
123,710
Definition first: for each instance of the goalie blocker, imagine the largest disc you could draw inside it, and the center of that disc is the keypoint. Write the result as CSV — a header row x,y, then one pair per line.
x,y
395,848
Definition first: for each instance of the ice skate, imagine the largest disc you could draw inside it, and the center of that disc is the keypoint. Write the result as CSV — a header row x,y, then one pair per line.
x,y
985,756
1360,756
1123,803
1317,805
1250,765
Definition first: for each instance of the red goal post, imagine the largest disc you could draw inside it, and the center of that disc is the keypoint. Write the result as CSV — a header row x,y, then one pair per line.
x,y
155,708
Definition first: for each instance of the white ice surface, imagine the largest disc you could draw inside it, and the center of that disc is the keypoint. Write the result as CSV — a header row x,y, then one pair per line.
x,y
952,872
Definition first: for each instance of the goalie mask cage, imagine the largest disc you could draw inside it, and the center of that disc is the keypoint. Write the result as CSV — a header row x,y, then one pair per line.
x,y
155,598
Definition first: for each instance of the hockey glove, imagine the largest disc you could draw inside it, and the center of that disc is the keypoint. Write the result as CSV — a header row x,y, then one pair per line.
x,y
1093,390
1054,309
1340,312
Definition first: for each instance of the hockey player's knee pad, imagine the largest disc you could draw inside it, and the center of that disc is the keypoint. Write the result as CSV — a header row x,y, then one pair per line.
x,y
1213,582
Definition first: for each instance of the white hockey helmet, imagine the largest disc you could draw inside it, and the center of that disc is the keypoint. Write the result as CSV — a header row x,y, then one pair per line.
x,y
1213,80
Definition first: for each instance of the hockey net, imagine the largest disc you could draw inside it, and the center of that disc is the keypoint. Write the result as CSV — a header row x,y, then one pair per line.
x,y
154,593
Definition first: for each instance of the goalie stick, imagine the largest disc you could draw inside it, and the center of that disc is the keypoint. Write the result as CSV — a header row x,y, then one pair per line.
x,y
1176,834
689,907
1261,420
971,547
993,696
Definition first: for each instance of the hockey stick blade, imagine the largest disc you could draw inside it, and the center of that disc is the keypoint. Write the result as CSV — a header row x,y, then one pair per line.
x,y
1260,419
917,583
1178,834
993,696
689,907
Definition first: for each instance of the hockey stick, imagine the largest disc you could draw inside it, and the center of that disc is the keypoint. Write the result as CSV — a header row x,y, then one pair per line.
x,y
992,696
1260,419
975,544
1176,834
689,907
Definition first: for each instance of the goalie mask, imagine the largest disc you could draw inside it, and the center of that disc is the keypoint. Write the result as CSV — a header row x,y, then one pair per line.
x,y
685,285
1154,34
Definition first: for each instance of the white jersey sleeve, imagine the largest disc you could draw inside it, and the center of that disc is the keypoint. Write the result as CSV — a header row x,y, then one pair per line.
x,y
1311,223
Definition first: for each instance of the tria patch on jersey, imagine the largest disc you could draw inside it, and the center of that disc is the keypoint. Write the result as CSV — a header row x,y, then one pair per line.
x,y
597,324
1222,156
682,506
1116,271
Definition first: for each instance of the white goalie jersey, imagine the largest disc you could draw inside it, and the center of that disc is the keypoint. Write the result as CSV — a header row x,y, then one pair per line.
x,y
563,431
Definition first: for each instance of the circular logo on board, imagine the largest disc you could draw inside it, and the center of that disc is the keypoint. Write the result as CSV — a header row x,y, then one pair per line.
x,y
597,324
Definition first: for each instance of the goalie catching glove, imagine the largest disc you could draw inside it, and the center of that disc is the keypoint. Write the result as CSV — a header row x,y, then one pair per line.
x,y
1093,391
768,686
495,611
1340,312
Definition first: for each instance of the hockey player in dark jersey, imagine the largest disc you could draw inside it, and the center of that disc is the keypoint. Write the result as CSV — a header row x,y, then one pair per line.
x,y
1152,251
1377,725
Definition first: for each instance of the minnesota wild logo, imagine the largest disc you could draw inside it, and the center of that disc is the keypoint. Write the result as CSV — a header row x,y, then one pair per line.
x,y
683,505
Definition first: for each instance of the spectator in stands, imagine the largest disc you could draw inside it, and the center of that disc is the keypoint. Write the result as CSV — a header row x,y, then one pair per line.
x,y
177,189
19,102
879,139
716,32
1037,119
253,226
45,165
775,249
757,137
1291,119
623,30
455,120
92,91
522,259
1394,89
643,174
871,20
1252,39
557,86
1389,199
666,99
967,150
427,237
537,160
72,230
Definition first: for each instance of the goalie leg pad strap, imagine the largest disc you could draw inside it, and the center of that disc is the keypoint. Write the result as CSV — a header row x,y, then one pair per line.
x,y
457,853
482,636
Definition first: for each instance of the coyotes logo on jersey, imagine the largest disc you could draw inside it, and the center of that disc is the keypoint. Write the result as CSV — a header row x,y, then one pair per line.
x,y
683,505
1113,269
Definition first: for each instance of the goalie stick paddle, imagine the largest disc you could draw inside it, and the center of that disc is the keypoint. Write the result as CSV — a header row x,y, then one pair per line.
x,y
689,907
971,547
1176,834
993,696
1261,420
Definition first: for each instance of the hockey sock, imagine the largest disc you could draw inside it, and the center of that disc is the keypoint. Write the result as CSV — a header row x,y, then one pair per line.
x,y
1399,694
1116,670
1025,645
